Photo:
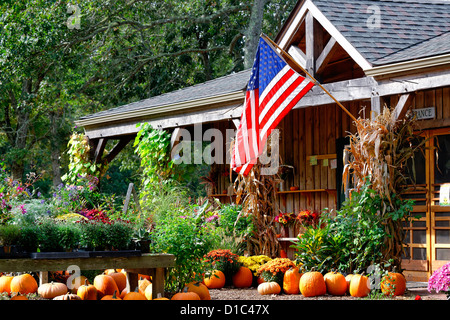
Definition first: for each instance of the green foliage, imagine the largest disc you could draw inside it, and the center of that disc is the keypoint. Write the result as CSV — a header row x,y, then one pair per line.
x,y
352,239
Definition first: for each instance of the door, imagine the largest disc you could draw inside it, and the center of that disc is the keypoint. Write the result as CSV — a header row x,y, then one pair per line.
x,y
428,237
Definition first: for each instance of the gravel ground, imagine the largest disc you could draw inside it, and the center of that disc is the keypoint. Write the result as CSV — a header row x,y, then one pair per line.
x,y
229,293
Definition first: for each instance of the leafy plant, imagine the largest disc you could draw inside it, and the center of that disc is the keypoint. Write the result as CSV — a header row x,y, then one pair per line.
x,y
9,234
28,240
48,236
119,234
69,235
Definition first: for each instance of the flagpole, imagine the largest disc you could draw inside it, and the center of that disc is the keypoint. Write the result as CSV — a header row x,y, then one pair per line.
x,y
309,75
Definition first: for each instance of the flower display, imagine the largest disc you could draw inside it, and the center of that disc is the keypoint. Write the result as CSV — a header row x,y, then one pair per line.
x,y
308,218
254,262
440,280
274,269
223,260
285,218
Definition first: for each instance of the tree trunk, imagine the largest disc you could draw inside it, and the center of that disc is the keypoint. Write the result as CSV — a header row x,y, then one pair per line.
x,y
253,32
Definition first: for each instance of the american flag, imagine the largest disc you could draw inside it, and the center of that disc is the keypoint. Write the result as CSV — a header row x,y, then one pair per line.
x,y
273,90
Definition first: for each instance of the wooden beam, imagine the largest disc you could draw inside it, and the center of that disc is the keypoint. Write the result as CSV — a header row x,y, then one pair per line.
x,y
100,147
326,55
375,101
309,35
298,55
404,102
175,136
117,148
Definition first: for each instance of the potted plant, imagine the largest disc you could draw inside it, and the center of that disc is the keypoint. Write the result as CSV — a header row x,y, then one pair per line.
x,y
119,234
28,240
9,236
48,236
69,236
141,239
92,235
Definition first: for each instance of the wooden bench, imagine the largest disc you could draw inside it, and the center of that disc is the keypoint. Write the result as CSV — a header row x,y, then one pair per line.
x,y
148,263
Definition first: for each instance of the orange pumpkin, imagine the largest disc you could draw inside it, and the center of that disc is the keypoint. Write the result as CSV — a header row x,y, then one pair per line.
x,y
260,280
393,284
105,285
291,281
271,287
243,278
135,295
312,284
120,278
216,280
125,291
52,290
335,283
19,297
185,295
200,289
76,283
5,284
87,291
24,284
111,296
359,286
142,285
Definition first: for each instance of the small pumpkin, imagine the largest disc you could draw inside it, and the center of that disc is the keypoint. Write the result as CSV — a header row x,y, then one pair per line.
x,y
67,296
120,278
87,291
185,295
393,284
200,289
76,283
5,284
359,286
24,284
105,285
142,284
148,293
271,287
312,284
111,296
291,281
135,295
215,280
243,278
52,290
335,283
19,297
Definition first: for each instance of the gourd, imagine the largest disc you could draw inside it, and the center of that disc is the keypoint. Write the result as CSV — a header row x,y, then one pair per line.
x,y
216,280
291,281
105,285
87,291
52,290
271,287
148,293
24,284
335,283
359,286
200,289
312,284
393,284
185,295
243,278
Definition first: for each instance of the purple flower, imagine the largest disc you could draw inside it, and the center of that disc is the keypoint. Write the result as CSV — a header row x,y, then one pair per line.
x,y
213,217
22,207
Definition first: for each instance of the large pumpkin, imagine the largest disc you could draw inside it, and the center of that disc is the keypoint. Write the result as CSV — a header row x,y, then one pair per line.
x,y
243,278
271,287
359,286
87,291
312,284
135,295
185,295
216,280
5,284
200,289
52,290
105,285
24,284
393,284
335,283
291,281
120,278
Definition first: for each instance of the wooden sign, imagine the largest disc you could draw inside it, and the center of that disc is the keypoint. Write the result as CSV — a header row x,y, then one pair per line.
x,y
425,113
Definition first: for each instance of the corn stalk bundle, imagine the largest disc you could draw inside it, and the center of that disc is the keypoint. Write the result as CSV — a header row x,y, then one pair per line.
x,y
380,149
257,192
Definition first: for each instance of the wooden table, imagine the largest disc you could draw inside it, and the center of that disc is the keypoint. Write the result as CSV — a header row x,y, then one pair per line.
x,y
148,263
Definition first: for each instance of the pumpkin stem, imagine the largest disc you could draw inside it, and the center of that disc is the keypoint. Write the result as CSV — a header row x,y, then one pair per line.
x,y
114,296
86,282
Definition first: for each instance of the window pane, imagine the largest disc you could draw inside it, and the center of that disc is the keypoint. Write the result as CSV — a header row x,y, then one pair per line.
x,y
442,155
442,236
419,254
442,254
419,236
